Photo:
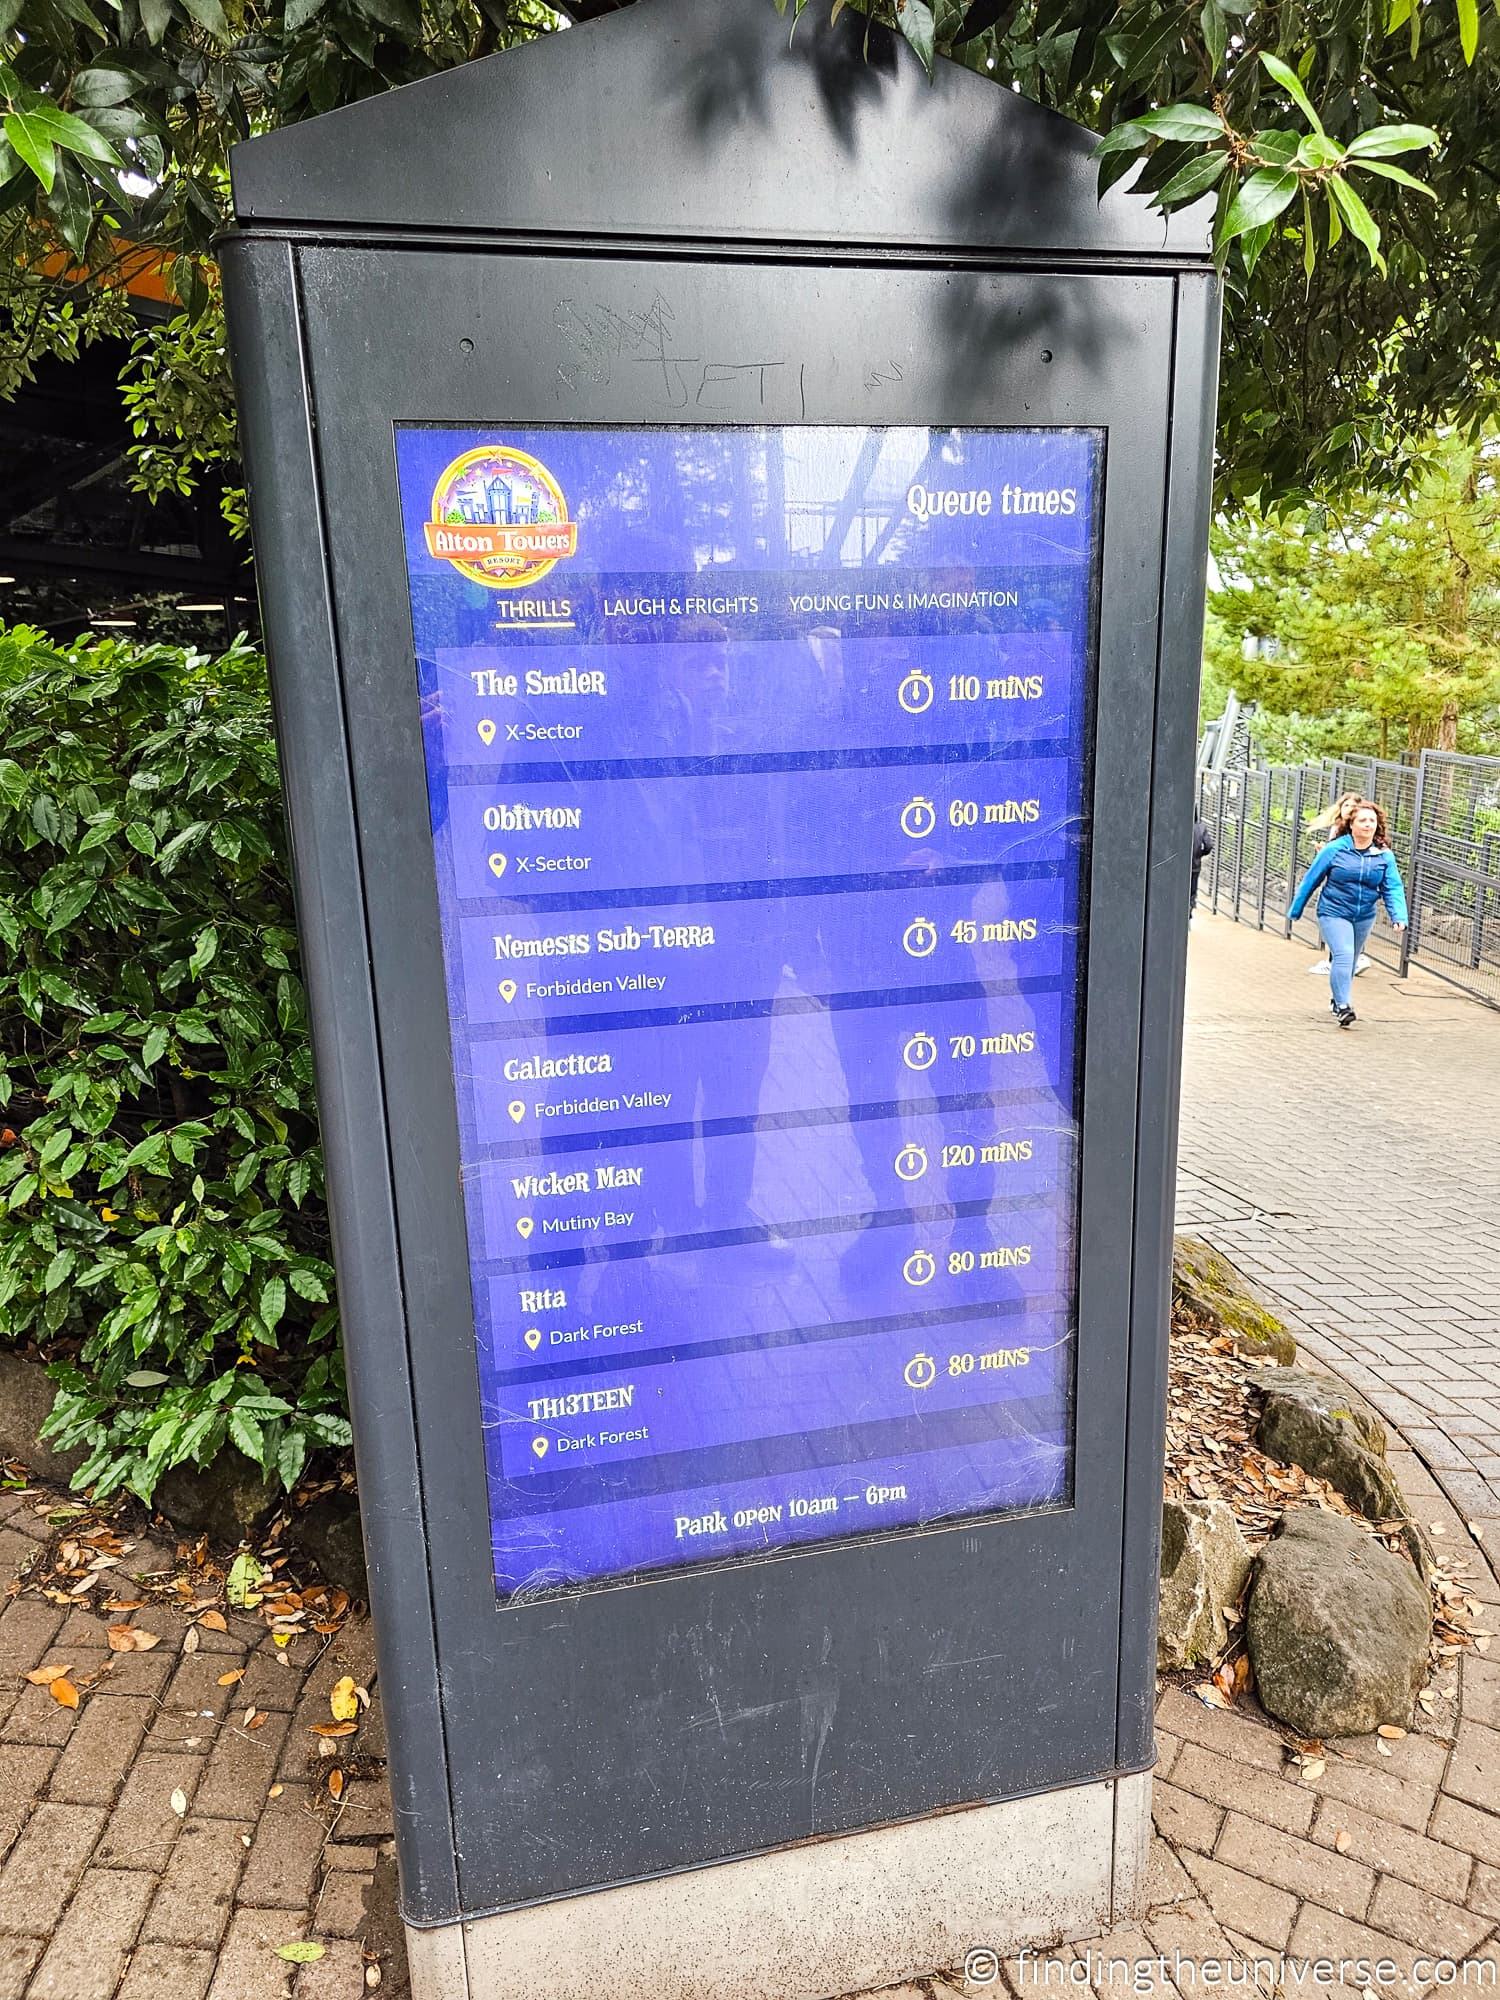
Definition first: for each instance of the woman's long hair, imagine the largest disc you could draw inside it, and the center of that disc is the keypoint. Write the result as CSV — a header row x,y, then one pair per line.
x,y
1334,819
1382,837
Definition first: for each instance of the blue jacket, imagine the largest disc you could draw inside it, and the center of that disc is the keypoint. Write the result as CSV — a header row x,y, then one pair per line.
x,y
1352,883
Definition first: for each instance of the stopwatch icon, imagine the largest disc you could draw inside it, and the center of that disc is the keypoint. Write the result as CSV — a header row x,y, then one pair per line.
x,y
920,938
920,1372
915,692
919,1268
918,819
920,1052
911,1163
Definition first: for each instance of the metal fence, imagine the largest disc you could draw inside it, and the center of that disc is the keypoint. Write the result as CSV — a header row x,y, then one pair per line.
x,y
1443,815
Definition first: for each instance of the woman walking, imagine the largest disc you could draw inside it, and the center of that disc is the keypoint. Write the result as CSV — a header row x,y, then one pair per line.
x,y
1353,874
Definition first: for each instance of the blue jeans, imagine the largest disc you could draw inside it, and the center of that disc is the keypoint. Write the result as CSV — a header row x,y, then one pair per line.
x,y
1345,941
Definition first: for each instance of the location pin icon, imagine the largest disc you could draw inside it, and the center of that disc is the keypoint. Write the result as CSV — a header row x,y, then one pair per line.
x,y
533,1337
486,732
517,1110
507,990
525,1226
539,1446
497,864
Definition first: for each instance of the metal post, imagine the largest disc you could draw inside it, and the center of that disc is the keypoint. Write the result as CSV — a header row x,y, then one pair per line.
x,y
1414,886
1293,870
1489,852
1239,844
1213,898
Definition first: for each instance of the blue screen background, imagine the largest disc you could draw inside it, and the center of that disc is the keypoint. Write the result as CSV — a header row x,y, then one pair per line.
x,y
760,837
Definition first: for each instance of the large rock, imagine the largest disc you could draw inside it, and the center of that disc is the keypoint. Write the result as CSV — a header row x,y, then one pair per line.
x,y
1204,1563
1315,1422
328,1529
26,1393
1337,1627
1212,1288
227,1502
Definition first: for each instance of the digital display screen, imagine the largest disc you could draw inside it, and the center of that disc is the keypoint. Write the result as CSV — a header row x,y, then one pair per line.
x,y
758,768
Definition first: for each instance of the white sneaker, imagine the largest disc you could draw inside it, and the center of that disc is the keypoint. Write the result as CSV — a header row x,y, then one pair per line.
x,y
1359,964
1321,965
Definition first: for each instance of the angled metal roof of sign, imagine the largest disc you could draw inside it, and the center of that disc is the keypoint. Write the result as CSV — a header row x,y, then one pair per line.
x,y
706,120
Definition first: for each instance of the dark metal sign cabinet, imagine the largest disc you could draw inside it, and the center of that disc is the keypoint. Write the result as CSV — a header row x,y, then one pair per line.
x,y
849,1760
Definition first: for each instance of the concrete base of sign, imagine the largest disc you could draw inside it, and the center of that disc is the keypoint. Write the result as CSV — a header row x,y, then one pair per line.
x,y
829,1917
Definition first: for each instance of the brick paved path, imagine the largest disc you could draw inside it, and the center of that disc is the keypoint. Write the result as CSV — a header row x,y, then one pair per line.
x,y
107,1888
1391,1853
107,1892
1393,1267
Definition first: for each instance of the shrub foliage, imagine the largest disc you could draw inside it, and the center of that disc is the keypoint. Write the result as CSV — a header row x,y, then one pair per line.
x,y
163,1233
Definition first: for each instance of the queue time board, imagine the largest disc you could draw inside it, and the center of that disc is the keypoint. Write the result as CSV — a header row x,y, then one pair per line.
x,y
757,764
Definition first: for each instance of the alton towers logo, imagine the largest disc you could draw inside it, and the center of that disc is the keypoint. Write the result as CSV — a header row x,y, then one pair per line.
x,y
500,518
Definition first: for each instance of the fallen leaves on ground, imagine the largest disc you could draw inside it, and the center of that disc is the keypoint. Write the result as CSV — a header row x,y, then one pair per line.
x,y
109,1559
131,1639
301,1952
1210,1454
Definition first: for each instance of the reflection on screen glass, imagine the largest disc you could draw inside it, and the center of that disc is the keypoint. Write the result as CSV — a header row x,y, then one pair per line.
x,y
756,762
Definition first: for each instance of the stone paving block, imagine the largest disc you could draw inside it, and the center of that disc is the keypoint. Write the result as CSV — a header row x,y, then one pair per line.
x,y
241,1769
267,1682
358,1855
1186,1820
1318,1933
1300,1867
1393,1849
184,1729
1167,1747
143,1827
1215,1729
1259,1909
1474,1773
17,1957
36,1717
1484,1890
1405,1800
1125,1963
340,1975
1414,1755
1426,1921
283,1862
243,1632
1189,1936
165,1972
86,1957
1278,1801
137,1673
342,1911
104,1741
27,1629
17,1553
193,1902
1167,1881
247,1967
194,1687
44,1864
24,1770
1482,1691
365,1811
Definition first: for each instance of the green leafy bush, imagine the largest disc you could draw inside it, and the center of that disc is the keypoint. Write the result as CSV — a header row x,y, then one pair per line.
x,y
163,1234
